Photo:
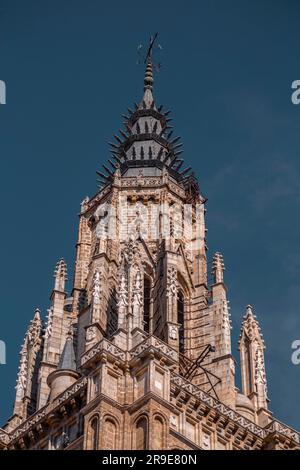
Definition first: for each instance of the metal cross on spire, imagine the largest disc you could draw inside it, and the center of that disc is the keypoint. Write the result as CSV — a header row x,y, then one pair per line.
x,y
148,60
152,48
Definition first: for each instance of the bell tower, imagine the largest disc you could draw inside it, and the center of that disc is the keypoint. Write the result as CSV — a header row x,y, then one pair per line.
x,y
139,355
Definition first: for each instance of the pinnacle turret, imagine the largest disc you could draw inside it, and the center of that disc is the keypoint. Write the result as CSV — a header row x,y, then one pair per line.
x,y
67,359
218,268
250,326
60,276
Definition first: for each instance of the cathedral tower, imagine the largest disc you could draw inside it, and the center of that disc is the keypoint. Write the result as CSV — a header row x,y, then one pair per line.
x,y
139,356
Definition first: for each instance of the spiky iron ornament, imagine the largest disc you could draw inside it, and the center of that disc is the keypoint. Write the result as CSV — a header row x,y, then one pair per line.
x,y
147,138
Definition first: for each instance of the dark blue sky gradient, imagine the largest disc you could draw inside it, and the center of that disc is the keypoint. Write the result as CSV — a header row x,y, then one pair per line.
x,y
70,69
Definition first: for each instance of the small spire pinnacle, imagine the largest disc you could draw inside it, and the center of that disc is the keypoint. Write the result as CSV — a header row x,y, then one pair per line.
x,y
37,314
67,359
218,268
249,311
60,275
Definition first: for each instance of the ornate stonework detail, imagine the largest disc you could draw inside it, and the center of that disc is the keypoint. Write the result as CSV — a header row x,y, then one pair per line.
x,y
130,252
260,372
22,374
60,276
96,287
218,268
103,346
172,283
48,329
137,295
122,296
173,332
84,204
91,334
226,320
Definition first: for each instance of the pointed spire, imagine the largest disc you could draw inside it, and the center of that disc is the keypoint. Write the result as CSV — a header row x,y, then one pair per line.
x,y
37,315
67,360
148,100
250,326
218,268
60,275
251,347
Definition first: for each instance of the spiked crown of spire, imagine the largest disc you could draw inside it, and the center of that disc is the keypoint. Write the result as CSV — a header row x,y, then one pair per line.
x,y
147,140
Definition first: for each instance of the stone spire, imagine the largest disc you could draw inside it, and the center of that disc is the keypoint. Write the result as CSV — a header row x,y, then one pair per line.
x,y
67,360
65,374
30,357
60,276
251,347
218,268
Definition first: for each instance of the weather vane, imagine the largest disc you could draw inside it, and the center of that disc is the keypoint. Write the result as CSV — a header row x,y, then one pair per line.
x,y
153,48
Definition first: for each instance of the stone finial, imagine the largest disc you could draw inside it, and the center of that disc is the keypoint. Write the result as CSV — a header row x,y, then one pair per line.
x,y
84,204
218,268
251,327
60,275
148,80
251,347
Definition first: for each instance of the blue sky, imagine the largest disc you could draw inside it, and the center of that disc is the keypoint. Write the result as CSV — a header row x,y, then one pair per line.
x,y
70,70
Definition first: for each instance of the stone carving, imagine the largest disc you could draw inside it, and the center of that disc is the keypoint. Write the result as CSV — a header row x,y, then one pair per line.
x,y
91,333
137,295
173,334
218,406
84,204
260,372
172,282
153,342
122,303
104,345
130,252
48,330
60,275
96,287
22,377
218,268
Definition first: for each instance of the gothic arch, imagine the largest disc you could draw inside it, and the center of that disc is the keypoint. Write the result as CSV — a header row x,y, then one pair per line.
x,y
93,432
141,433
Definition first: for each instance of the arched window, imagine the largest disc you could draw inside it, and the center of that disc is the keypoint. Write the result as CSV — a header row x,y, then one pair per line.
x,y
94,433
147,301
180,319
141,434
